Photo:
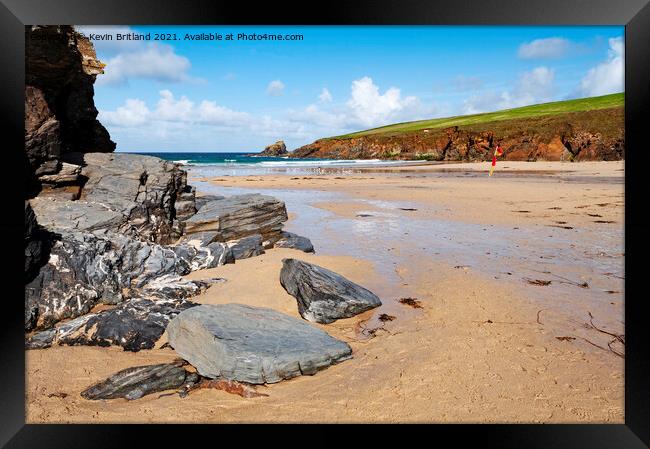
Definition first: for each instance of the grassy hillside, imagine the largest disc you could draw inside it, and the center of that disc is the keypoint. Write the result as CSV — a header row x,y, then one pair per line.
x,y
537,110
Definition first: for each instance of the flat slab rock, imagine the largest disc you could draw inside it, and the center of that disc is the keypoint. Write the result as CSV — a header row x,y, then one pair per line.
x,y
250,344
238,216
133,383
324,296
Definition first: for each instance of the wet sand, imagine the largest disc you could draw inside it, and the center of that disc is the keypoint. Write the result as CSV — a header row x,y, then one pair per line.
x,y
487,345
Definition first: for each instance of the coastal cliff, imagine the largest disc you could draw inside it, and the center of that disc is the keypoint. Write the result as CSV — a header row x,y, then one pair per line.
x,y
573,136
60,114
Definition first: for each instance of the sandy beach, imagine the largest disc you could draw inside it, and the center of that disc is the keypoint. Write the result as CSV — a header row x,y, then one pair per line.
x,y
518,278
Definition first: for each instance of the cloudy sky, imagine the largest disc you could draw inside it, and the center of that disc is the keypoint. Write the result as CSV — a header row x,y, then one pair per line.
x,y
189,95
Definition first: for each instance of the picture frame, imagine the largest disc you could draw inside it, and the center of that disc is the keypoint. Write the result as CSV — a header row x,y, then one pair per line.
x,y
634,14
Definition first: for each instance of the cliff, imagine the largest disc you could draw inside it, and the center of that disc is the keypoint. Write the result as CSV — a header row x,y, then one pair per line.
x,y
60,114
568,136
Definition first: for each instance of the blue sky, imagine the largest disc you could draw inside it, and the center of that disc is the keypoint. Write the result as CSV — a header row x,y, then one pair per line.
x,y
189,95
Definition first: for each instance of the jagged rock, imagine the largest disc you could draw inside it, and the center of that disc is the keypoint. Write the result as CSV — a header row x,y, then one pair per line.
x,y
324,296
135,324
35,244
133,383
142,189
174,287
239,216
250,344
199,238
85,269
68,174
276,149
125,193
294,241
200,257
246,247
60,115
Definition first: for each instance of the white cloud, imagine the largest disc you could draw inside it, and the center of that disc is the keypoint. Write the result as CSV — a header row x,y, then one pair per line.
x,y
608,76
133,113
152,61
370,108
325,96
178,122
535,86
230,76
552,47
275,88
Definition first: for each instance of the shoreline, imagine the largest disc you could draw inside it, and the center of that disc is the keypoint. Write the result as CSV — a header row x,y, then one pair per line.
x,y
486,346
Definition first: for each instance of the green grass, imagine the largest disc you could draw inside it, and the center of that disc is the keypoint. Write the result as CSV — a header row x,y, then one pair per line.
x,y
557,107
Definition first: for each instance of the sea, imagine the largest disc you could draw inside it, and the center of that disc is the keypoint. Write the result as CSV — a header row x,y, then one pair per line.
x,y
242,164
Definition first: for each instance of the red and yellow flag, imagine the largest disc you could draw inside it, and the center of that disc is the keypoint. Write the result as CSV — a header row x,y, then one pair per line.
x,y
498,151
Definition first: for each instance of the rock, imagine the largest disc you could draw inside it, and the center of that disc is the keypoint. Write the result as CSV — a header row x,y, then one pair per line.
x,y
68,174
60,115
199,238
239,216
249,344
324,296
84,270
208,256
134,325
174,287
202,200
274,150
294,241
36,244
246,247
133,383
124,193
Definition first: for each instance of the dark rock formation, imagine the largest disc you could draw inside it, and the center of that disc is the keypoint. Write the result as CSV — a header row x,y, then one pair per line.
x,y
207,256
126,193
85,270
239,216
60,115
133,383
294,241
275,150
36,244
587,135
324,296
134,325
246,247
254,345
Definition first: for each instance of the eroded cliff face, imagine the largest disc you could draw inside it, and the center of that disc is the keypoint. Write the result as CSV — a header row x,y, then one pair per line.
x,y
577,136
60,114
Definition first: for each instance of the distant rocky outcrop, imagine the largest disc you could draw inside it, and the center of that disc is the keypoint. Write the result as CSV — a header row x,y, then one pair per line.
x,y
251,344
576,136
275,150
60,115
324,296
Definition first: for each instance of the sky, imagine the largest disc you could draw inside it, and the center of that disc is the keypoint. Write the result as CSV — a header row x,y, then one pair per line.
x,y
242,95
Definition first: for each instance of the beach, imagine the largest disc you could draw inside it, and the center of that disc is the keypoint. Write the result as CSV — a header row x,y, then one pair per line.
x,y
517,280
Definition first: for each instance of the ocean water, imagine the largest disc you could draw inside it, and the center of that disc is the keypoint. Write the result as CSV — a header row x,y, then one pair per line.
x,y
239,164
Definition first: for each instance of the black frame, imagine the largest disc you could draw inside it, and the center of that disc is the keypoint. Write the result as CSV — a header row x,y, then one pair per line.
x,y
634,14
